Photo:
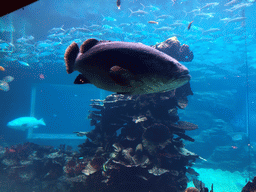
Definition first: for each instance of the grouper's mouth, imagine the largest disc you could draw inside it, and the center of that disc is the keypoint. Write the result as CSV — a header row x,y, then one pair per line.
x,y
184,76
181,79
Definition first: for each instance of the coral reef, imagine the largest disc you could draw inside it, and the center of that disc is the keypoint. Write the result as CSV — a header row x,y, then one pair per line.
x,y
250,186
30,166
199,186
191,189
172,47
138,142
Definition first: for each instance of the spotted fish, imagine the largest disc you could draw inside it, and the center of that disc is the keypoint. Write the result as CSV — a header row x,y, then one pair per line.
x,y
124,67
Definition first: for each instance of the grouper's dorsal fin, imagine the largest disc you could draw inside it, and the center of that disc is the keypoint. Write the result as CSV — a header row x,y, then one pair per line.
x,y
88,44
70,57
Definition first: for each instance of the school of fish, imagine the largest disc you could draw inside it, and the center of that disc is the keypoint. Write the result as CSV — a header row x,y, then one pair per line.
x,y
213,30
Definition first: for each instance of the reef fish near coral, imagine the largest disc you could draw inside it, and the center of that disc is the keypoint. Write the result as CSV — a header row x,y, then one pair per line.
x,y
125,67
24,123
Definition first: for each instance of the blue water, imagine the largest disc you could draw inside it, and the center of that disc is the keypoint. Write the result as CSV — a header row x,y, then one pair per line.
x,y
222,38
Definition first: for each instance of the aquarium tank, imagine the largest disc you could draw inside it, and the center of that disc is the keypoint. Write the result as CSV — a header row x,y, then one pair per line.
x,y
128,96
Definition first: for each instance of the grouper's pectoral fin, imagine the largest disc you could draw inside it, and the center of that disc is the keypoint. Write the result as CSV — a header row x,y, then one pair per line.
x,y
121,76
80,79
24,125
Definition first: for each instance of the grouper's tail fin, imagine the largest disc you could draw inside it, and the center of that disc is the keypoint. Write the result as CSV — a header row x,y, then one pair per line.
x,y
41,122
70,57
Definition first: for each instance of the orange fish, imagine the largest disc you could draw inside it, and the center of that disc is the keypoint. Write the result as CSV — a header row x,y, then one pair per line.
x,y
118,3
153,22
189,25
2,69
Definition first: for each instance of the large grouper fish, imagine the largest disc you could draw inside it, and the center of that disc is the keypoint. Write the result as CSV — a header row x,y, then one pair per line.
x,y
125,67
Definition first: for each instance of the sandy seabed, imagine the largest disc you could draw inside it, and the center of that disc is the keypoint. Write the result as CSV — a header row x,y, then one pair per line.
x,y
223,181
